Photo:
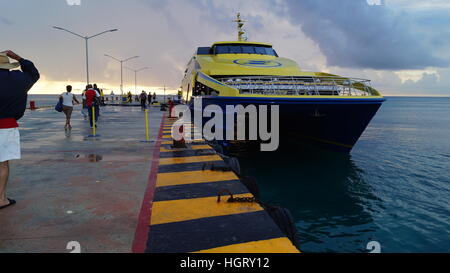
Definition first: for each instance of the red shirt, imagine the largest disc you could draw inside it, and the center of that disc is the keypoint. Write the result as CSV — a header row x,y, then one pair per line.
x,y
8,123
90,95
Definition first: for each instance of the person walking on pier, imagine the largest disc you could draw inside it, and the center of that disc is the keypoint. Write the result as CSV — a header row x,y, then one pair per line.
x,y
149,98
14,87
92,99
84,110
102,95
68,99
98,103
143,99
129,97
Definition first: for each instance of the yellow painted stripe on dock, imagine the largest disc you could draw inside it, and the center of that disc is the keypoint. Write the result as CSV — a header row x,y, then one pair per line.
x,y
173,122
278,245
170,132
187,141
169,128
188,159
194,147
189,209
169,136
193,177
185,124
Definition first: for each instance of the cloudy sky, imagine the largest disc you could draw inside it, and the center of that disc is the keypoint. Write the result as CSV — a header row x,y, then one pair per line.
x,y
403,46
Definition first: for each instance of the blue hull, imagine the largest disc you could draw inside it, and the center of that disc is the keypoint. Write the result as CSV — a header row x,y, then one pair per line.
x,y
335,122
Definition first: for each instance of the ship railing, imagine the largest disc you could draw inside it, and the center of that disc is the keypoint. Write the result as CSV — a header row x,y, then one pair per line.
x,y
304,85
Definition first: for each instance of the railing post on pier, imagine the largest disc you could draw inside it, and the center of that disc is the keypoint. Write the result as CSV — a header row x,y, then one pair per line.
x,y
94,125
94,129
147,127
147,137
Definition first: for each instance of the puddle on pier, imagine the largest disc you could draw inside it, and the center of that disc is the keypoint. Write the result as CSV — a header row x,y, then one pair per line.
x,y
89,158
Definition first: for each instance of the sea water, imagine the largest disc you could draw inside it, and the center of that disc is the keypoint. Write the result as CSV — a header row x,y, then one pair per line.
x,y
393,188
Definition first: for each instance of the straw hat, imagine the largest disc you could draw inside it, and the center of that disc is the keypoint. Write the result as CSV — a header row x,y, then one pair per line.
x,y
4,62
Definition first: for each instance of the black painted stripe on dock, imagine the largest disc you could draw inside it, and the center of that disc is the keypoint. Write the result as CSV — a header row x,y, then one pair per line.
x,y
198,166
191,191
212,232
199,143
196,142
193,145
169,148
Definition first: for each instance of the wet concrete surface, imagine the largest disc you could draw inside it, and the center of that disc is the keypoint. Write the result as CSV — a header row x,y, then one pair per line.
x,y
70,187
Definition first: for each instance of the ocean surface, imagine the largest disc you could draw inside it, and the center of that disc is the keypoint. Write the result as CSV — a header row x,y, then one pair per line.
x,y
394,187
44,100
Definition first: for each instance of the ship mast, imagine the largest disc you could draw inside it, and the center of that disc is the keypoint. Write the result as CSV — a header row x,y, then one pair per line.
x,y
240,25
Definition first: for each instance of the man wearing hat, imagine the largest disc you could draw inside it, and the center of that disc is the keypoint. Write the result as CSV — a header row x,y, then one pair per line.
x,y
14,86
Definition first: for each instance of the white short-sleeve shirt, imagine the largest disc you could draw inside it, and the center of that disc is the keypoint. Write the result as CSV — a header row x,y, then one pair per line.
x,y
67,98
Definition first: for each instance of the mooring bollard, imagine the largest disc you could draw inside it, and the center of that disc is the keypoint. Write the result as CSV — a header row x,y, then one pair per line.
x,y
180,143
171,106
32,105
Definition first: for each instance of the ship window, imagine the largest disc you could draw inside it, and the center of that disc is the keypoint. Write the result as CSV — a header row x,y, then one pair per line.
x,y
244,49
270,51
248,50
222,50
260,50
235,49
203,51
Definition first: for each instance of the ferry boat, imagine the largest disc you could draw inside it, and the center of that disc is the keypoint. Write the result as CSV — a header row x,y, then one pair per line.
x,y
321,107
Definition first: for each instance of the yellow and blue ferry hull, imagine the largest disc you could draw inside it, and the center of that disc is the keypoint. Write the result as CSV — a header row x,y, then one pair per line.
x,y
332,121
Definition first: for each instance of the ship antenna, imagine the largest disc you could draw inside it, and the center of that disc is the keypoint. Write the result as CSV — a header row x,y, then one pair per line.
x,y
240,25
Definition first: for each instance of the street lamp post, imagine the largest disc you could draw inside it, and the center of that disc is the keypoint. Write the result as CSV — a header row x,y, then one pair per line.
x,y
121,68
136,71
86,38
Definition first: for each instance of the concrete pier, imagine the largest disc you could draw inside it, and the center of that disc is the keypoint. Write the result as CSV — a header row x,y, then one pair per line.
x,y
72,188
115,193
